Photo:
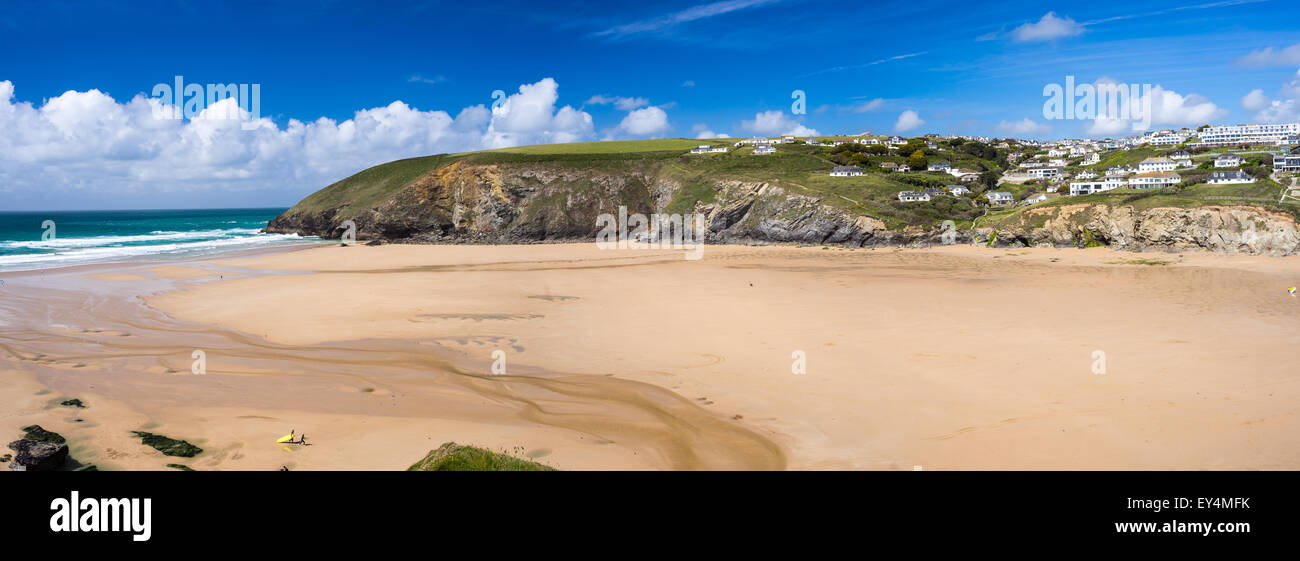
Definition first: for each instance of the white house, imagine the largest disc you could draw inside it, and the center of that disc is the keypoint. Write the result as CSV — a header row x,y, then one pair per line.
x,y
1057,152
1228,161
1044,173
708,149
1286,162
1230,177
1032,199
957,189
846,171
764,149
913,196
1086,174
1119,171
1154,180
1057,162
1000,198
897,140
1092,159
938,166
1182,157
1090,187
787,139
1152,165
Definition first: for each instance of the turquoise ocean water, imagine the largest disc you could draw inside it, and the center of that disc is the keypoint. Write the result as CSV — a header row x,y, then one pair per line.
x,y
78,237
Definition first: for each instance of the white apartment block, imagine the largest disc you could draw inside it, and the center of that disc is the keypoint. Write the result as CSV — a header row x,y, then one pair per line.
x,y
1248,134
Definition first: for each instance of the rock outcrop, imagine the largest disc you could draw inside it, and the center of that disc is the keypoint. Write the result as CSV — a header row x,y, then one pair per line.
x,y
39,450
1229,229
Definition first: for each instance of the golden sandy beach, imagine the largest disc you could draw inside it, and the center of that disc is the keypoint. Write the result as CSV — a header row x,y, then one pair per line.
x,y
946,358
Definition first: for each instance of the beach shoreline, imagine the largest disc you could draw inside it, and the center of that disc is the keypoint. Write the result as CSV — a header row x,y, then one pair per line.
x,y
954,357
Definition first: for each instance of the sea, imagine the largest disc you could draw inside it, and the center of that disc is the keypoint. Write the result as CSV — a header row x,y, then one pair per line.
x,y
43,239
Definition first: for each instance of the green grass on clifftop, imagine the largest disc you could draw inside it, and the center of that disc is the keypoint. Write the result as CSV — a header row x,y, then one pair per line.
x,y
455,457
371,186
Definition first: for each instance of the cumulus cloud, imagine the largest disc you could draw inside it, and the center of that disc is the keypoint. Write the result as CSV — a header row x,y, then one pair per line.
x,y
89,144
775,122
1046,29
1024,127
1285,56
908,120
646,121
1286,109
1255,100
1168,108
702,131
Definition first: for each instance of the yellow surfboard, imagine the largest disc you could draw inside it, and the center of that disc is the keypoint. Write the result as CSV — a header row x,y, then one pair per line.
x,y
284,439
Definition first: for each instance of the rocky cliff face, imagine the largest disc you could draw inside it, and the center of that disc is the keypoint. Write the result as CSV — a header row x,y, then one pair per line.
x,y
529,202
1231,229
494,203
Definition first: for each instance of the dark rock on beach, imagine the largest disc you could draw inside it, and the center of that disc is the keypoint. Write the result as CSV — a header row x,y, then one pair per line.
x,y
34,455
168,446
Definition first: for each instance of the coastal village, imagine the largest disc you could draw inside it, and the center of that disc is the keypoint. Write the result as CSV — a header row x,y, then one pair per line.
x,y
1250,162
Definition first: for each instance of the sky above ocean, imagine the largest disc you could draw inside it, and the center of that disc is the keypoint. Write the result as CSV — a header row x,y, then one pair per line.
x,y
341,86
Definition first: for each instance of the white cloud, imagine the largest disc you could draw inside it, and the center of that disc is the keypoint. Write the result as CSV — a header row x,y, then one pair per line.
x,y
530,117
908,120
1168,108
1255,100
419,78
621,103
646,121
688,84
868,105
1046,29
86,144
703,132
1283,110
1286,56
1024,127
776,122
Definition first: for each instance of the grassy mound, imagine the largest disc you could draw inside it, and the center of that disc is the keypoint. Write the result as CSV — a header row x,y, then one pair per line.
x,y
38,434
454,457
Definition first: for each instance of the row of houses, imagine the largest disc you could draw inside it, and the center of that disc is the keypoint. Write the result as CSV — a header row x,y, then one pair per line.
x,y
759,149
931,193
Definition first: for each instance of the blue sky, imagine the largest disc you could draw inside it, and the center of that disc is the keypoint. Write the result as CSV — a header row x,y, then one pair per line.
x,y
688,69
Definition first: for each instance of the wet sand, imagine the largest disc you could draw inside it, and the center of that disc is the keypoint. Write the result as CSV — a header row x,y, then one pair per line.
x,y
945,358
